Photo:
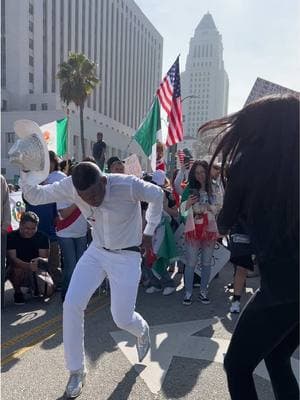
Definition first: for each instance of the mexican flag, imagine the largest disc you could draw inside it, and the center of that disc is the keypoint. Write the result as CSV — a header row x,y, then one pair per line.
x,y
147,133
56,136
164,246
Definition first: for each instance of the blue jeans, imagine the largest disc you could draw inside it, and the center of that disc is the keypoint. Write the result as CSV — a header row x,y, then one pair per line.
x,y
72,249
192,251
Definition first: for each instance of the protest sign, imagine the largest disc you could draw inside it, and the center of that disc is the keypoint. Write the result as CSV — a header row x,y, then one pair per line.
x,y
133,166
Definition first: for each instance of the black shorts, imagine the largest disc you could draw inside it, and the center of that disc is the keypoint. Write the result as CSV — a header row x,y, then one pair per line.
x,y
243,261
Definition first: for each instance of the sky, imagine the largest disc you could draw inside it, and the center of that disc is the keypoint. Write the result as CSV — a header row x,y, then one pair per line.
x,y
261,38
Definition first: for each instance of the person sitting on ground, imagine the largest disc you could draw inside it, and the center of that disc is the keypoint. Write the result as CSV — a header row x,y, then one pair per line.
x,y
5,225
26,248
115,165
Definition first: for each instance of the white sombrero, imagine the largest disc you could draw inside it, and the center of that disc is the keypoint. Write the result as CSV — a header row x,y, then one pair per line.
x,y
30,152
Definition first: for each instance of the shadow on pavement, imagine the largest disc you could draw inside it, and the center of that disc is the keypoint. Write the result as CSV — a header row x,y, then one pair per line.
x,y
122,391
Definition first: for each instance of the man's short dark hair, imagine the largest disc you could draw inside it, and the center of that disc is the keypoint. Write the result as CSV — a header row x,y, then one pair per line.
x,y
113,160
29,216
54,159
85,174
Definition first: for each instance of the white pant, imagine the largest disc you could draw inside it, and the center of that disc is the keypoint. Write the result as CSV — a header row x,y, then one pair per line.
x,y
123,271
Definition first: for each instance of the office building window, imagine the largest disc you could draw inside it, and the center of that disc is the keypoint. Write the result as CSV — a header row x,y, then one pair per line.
x,y
10,137
31,44
31,8
4,105
44,106
30,26
32,107
76,24
30,77
45,42
75,140
53,46
70,24
31,61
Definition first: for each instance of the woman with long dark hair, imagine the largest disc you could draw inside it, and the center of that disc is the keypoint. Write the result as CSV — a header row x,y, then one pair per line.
x,y
198,211
260,144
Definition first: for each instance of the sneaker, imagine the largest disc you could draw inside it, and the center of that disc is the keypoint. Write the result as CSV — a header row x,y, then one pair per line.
x,y
235,307
153,289
168,290
19,299
75,384
203,297
143,344
187,301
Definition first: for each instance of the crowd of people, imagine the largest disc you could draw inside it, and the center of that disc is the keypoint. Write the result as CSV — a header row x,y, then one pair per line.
x,y
193,199
103,222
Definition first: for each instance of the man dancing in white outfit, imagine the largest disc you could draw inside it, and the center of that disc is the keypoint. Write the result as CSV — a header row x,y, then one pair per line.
x,y
111,204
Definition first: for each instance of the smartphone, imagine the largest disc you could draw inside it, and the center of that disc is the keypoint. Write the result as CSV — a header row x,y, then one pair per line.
x,y
194,192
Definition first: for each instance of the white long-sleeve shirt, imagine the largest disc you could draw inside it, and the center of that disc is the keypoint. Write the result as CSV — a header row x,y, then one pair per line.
x,y
117,222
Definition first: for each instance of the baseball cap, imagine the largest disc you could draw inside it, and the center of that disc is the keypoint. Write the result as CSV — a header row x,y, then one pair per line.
x,y
159,177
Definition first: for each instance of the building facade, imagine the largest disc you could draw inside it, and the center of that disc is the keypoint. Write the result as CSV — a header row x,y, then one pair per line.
x,y
37,36
204,82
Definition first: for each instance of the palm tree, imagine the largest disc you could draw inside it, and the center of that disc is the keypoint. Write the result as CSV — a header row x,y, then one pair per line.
x,y
78,79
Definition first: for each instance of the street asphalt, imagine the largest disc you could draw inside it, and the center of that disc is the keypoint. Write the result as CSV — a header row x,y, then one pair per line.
x,y
33,360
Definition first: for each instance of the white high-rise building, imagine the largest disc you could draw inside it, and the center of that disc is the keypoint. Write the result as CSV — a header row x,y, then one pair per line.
x,y
204,81
37,36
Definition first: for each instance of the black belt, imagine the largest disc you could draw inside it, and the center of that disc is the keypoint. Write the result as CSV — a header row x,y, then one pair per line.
x,y
132,248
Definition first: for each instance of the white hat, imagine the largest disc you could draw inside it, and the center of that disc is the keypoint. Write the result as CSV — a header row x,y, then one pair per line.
x,y
159,177
30,152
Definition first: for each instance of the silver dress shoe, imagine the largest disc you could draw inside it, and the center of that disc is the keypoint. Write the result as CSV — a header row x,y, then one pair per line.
x,y
143,344
75,383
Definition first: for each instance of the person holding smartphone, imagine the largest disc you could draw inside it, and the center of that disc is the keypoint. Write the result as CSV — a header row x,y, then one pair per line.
x,y
198,211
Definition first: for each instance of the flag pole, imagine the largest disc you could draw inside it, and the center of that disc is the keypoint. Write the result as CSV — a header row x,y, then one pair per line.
x,y
68,139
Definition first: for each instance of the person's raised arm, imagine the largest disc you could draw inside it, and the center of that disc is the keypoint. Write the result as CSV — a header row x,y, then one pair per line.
x,y
153,195
44,194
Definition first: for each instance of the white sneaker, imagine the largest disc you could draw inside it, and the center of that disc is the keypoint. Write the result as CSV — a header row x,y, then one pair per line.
x,y
168,290
143,344
153,289
235,307
75,383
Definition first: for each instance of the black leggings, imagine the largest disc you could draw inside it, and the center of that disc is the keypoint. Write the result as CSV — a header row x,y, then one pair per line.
x,y
263,332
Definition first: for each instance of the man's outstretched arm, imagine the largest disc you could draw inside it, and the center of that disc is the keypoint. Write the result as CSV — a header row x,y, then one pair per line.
x,y
44,194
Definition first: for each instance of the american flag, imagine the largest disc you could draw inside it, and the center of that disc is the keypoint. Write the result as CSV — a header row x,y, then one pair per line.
x,y
180,158
169,97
